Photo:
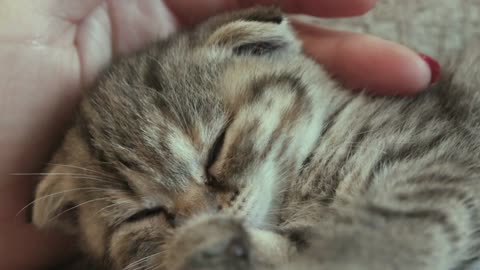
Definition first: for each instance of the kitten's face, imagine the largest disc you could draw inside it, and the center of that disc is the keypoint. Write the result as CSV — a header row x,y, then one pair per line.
x,y
212,120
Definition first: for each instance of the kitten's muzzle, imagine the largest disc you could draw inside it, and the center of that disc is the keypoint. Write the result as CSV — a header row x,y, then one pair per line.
x,y
202,200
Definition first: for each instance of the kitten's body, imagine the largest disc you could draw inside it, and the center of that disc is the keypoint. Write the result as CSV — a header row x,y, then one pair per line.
x,y
225,148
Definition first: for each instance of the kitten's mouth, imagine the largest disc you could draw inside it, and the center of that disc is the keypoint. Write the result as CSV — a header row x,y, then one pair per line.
x,y
259,216
251,218
254,222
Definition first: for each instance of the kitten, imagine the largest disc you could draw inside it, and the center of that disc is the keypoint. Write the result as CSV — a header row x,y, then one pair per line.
x,y
225,147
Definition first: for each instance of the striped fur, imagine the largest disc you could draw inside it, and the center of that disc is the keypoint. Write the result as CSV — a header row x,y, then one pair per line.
x,y
224,147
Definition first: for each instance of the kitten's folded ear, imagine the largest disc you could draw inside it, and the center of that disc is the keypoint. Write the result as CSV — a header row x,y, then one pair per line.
x,y
54,205
256,31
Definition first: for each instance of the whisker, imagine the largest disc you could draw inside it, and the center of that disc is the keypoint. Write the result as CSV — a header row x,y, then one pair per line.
x,y
110,206
93,177
76,206
55,194
47,174
142,260
73,175
82,168
155,266
162,265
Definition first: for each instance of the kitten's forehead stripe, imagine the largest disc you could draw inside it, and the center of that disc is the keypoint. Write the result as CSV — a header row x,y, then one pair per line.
x,y
267,82
85,132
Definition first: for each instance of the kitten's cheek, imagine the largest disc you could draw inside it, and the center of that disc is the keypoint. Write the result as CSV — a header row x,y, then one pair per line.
x,y
138,241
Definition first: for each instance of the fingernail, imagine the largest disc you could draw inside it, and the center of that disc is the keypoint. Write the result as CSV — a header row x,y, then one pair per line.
x,y
434,67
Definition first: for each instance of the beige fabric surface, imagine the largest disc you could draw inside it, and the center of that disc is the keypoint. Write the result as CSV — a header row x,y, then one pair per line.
x,y
435,27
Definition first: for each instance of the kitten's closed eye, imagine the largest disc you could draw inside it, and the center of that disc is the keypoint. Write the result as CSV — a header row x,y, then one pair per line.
x,y
212,180
151,212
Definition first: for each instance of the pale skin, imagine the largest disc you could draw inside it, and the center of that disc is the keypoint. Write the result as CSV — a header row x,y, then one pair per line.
x,y
52,49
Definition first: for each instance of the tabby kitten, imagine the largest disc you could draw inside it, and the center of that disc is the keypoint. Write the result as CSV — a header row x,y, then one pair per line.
x,y
225,147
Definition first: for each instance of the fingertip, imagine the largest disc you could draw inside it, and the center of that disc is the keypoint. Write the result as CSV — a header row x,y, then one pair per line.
x,y
367,62
384,67
418,72
434,66
401,71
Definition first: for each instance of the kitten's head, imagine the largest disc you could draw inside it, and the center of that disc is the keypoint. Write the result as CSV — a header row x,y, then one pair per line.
x,y
216,118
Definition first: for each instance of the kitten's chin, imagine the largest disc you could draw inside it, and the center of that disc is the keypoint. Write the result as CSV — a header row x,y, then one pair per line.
x,y
259,219
260,215
260,210
255,222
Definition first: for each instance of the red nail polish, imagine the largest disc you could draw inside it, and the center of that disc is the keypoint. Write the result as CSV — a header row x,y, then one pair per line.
x,y
434,67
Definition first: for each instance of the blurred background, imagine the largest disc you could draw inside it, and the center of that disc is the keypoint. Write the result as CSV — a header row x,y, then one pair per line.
x,y
436,27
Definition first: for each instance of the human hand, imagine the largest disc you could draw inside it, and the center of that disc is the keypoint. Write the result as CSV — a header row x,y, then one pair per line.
x,y
51,49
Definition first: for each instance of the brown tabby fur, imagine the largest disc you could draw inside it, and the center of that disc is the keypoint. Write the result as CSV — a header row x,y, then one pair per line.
x,y
225,147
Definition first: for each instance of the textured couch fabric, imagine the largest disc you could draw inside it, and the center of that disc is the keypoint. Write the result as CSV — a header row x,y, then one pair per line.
x,y
436,27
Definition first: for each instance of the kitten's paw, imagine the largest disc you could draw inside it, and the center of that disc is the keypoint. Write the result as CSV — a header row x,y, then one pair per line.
x,y
355,248
213,243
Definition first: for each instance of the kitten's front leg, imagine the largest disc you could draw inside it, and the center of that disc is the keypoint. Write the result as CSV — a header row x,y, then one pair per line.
x,y
220,242
423,218
349,247
373,237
